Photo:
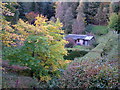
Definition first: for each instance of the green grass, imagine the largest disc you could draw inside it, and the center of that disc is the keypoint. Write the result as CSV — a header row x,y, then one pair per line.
x,y
83,47
80,48
97,29
100,29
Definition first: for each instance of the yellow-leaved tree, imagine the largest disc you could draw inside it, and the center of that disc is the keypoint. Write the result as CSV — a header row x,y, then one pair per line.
x,y
39,47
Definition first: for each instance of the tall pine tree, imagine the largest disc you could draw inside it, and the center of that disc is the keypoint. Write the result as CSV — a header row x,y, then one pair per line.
x,y
68,20
78,25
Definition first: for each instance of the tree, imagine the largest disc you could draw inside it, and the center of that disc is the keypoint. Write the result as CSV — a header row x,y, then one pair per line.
x,y
39,50
114,22
47,9
9,11
53,19
90,10
6,29
78,24
101,18
114,7
68,20
16,17
60,10
34,6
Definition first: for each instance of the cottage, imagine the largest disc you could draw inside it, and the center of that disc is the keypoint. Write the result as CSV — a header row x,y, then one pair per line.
x,y
85,40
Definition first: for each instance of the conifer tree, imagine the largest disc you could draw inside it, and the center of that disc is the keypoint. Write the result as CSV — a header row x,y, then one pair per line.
x,y
101,17
78,25
60,10
68,20
90,10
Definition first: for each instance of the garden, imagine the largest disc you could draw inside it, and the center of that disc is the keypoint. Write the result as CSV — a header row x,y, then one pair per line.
x,y
35,53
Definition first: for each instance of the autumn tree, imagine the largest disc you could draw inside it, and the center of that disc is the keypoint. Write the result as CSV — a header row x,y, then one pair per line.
x,y
6,29
39,49
10,12
66,12
71,15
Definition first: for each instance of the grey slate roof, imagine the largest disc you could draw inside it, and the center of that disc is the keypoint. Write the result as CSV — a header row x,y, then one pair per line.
x,y
78,36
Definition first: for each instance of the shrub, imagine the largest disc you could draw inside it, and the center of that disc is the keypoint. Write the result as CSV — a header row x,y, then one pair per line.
x,y
94,43
71,43
114,22
74,54
90,75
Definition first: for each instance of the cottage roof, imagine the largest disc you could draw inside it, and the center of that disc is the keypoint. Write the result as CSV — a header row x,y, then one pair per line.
x,y
78,36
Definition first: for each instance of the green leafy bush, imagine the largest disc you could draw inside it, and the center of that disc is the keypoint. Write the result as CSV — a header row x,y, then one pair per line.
x,y
114,22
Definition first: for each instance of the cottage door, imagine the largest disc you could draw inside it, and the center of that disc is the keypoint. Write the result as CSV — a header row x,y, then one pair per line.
x,y
86,43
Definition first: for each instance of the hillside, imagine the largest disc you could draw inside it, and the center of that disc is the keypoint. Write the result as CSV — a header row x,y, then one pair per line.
x,y
100,66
